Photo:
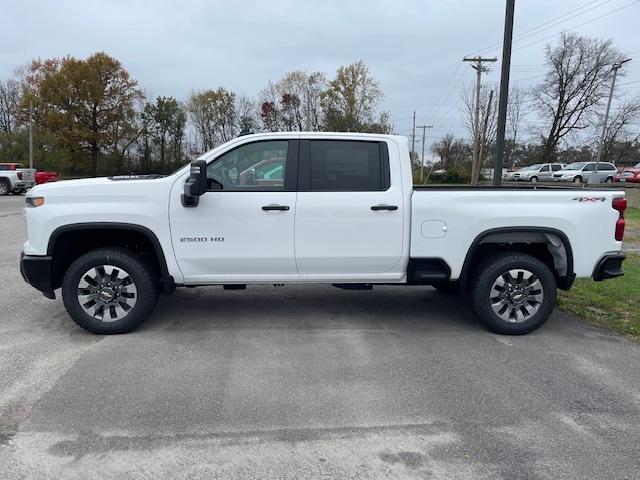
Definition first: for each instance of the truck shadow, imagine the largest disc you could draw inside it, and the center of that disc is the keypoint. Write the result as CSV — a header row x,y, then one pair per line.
x,y
311,307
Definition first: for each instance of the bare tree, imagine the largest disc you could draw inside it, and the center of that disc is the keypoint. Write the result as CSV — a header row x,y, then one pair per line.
x,y
516,112
451,151
623,130
578,71
9,104
488,123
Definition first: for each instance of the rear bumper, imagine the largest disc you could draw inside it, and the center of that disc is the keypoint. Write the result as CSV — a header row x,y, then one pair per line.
x,y
609,266
36,271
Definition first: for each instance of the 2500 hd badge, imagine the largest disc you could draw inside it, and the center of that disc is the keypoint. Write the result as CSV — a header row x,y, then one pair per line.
x,y
201,239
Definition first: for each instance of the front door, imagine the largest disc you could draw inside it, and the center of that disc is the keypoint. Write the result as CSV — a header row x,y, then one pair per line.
x,y
349,215
243,228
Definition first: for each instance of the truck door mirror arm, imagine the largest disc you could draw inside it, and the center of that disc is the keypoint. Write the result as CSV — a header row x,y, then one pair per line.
x,y
196,184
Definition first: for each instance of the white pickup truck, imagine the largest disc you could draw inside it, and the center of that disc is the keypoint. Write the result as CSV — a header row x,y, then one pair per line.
x,y
336,208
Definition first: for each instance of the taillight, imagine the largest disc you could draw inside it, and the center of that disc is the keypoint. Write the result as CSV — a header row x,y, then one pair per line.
x,y
619,204
19,175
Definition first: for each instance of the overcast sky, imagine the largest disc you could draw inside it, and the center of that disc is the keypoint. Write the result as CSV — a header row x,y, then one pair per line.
x,y
414,48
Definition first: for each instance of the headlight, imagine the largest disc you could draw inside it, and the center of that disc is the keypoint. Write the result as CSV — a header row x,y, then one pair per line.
x,y
33,202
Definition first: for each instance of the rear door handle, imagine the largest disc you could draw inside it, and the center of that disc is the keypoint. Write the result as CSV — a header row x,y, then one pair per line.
x,y
375,208
270,208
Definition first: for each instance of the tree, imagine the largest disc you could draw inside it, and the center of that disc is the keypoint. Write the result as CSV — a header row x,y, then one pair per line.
x,y
620,136
166,123
516,111
451,151
213,114
293,102
82,102
488,123
351,100
578,71
9,104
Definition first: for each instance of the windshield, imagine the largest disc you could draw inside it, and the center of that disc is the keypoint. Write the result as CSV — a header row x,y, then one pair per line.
x,y
637,165
533,167
575,166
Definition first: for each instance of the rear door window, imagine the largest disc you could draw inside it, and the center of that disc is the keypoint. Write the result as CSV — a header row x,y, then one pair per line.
x,y
343,165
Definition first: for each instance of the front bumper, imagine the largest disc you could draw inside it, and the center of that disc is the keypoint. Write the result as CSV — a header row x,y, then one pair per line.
x,y
609,266
37,272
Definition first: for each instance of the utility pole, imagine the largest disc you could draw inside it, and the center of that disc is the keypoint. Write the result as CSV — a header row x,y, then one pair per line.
x,y
413,137
614,68
504,92
479,68
30,135
424,139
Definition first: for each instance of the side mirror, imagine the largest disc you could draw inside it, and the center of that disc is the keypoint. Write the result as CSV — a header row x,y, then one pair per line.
x,y
196,185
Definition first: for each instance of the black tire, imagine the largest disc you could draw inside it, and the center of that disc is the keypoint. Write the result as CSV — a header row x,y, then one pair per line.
x,y
482,282
5,187
609,180
141,274
447,288
534,179
577,179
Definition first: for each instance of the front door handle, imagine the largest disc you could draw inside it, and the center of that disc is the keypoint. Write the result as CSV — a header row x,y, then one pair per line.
x,y
375,208
270,208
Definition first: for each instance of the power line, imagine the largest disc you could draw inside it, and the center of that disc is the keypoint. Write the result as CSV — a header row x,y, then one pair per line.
x,y
528,33
577,26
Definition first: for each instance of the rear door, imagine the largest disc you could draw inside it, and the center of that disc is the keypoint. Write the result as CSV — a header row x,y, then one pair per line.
x,y
349,214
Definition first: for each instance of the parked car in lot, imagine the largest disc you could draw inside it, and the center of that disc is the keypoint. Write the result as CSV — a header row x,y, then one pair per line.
x,y
45,177
629,174
540,172
585,172
342,210
16,179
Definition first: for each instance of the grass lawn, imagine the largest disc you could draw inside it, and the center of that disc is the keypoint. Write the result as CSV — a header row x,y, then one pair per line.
x,y
613,303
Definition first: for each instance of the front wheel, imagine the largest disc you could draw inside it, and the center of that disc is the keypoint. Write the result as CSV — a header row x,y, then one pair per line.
x,y
109,291
534,179
577,179
512,293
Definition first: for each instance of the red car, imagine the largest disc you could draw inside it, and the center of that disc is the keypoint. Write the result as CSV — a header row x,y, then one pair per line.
x,y
629,174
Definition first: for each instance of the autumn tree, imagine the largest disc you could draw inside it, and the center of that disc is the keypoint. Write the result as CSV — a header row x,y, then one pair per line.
x,y
351,100
293,102
219,115
82,101
578,73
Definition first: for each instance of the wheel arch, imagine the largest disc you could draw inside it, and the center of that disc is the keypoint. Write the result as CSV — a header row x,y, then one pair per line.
x,y
143,237
527,240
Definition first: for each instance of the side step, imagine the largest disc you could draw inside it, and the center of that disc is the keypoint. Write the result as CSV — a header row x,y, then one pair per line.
x,y
234,286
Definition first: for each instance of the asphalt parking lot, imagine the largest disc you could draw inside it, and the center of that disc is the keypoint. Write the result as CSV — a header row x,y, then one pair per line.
x,y
307,382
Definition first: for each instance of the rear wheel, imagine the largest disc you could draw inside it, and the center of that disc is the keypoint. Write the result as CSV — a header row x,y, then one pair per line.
x,y
5,187
609,180
109,290
512,293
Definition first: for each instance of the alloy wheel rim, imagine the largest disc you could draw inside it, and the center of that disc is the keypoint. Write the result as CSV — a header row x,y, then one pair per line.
x,y
3,188
516,295
107,293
